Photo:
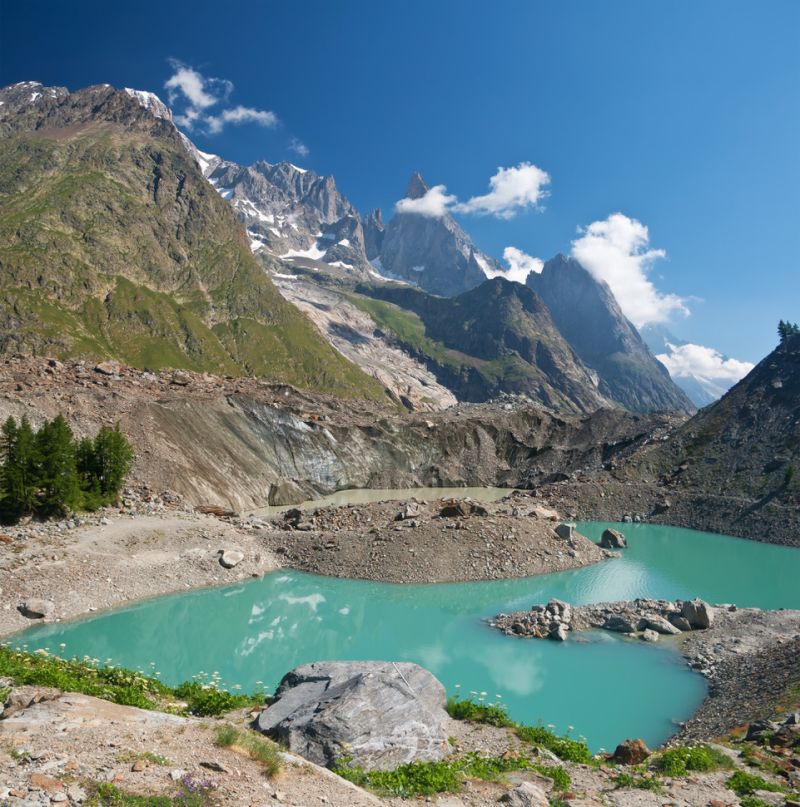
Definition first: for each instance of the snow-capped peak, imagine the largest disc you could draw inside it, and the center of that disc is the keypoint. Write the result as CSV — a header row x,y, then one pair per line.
x,y
150,101
298,169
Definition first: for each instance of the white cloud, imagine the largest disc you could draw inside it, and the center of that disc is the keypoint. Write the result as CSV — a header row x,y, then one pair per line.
x,y
299,148
434,204
705,363
616,250
199,91
512,189
520,264
193,95
241,114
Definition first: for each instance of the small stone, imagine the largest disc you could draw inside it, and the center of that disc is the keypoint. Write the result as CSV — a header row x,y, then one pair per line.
x,y
177,774
214,765
631,752
649,635
230,558
139,766
41,782
526,794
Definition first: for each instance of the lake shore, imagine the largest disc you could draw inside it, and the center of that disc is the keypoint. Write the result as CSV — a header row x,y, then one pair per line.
x,y
155,546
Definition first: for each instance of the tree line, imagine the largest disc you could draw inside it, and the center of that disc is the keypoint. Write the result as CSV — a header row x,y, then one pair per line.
x,y
787,329
48,472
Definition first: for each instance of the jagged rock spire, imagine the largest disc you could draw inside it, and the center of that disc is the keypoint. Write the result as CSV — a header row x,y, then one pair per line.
x,y
417,187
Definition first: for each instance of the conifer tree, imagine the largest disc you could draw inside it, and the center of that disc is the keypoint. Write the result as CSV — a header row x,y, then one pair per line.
x,y
20,468
113,457
58,478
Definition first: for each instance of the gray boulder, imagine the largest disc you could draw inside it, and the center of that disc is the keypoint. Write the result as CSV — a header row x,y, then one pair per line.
x,y
37,608
698,613
376,714
526,794
565,531
620,624
650,635
230,557
680,622
659,624
613,539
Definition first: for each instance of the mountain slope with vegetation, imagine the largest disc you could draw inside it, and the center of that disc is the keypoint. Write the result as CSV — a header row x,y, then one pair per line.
x,y
112,244
498,337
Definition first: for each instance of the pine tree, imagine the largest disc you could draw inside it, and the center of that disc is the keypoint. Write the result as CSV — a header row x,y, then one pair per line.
x,y
58,479
113,458
20,468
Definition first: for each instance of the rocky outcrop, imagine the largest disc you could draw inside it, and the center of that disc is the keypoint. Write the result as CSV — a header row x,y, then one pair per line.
x,y
634,617
373,714
431,252
586,312
631,752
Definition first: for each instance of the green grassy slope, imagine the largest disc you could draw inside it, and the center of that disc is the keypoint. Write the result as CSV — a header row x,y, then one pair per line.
x,y
112,244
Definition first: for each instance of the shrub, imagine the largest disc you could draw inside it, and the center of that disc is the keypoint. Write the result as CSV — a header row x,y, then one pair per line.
x,y
416,779
206,700
491,713
563,747
624,780
745,784
680,761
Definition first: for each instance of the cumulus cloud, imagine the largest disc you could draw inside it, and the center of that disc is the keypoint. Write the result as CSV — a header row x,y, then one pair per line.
x,y
705,363
520,264
299,148
435,203
192,95
511,190
617,251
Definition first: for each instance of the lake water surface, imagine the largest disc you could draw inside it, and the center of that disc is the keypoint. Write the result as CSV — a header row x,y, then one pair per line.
x,y
606,687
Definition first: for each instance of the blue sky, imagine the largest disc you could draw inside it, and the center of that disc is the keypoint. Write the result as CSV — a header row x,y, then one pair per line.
x,y
683,115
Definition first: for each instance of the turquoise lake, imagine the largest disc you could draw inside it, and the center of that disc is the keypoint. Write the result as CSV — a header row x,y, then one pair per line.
x,y
606,687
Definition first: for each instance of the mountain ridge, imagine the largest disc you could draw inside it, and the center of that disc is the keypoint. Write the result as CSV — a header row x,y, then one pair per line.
x,y
114,245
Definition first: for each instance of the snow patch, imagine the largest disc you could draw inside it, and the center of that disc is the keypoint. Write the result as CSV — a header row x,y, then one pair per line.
x,y
313,252
34,96
151,102
298,169
417,268
345,242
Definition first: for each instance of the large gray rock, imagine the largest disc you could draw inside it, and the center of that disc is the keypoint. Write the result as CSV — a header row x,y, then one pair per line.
x,y
377,714
660,624
613,539
698,613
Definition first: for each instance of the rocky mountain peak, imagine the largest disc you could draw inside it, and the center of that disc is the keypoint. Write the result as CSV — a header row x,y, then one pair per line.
x,y
417,187
588,315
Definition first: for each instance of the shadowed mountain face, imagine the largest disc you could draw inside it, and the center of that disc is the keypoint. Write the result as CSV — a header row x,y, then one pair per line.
x,y
112,244
433,253
748,442
498,337
590,319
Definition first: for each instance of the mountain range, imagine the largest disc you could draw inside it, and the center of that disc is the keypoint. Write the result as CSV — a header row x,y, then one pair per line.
x,y
120,239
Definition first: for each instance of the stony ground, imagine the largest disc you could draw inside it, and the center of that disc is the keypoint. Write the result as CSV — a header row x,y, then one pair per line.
x,y
51,753
443,541
110,559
